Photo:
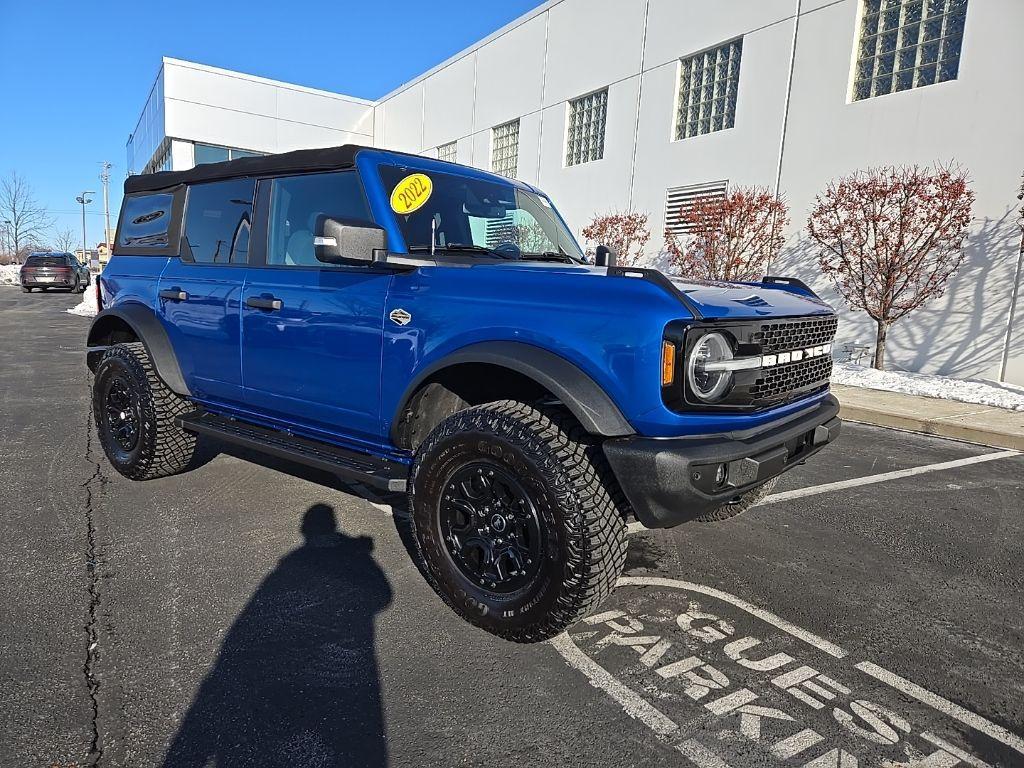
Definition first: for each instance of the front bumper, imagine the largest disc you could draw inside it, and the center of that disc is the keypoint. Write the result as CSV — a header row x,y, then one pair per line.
x,y
669,481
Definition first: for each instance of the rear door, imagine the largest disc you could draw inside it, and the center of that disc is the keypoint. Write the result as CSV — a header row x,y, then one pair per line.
x,y
200,292
312,332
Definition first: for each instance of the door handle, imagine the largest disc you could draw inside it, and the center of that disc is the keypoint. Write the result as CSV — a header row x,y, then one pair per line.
x,y
258,302
174,294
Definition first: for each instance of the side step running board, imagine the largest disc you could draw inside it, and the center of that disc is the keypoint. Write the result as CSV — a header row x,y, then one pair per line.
x,y
350,465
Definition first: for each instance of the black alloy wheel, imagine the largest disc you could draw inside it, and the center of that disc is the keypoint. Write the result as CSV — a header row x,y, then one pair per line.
x,y
122,412
491,528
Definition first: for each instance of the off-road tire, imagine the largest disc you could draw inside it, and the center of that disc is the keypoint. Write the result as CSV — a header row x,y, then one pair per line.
x,y
162,448
566,475
741,505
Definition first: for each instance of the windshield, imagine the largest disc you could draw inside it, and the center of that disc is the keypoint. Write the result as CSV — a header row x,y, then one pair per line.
x,y
458,213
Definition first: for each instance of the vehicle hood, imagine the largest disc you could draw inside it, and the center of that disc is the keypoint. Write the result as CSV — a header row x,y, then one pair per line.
x,y
738,300
712,300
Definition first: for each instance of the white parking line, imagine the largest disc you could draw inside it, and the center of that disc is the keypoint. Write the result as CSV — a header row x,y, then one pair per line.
x,y
700,755
814,490
632,703
965,716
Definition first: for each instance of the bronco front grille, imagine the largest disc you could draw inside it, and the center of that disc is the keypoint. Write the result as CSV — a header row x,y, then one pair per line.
x,y
782,380
797,334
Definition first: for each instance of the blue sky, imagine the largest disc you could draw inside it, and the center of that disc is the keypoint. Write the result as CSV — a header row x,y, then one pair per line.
x,y
74,75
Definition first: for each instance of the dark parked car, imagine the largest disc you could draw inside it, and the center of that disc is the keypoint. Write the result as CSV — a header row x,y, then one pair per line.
x,y
44,269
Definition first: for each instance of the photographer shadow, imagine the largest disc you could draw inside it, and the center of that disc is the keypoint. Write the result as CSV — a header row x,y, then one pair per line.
x,y
296,680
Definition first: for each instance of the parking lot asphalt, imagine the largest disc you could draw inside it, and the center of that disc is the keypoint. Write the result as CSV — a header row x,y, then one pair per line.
x,y
252,613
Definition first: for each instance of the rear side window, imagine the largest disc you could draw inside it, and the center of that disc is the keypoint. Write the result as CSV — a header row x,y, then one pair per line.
x,y
150,223
218,222
146,221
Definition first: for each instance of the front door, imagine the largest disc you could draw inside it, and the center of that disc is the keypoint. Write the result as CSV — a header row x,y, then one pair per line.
x,y
312,332
200,292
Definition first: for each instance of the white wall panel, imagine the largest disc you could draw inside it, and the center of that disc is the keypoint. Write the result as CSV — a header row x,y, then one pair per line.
x,y
591,44
682,27
226,91
448,107
529,147
314,109
510,74
302,136
182,154
402,119
211,125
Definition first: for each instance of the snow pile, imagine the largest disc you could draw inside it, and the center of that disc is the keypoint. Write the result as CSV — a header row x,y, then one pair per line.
x,y
88,306
10,274
962,390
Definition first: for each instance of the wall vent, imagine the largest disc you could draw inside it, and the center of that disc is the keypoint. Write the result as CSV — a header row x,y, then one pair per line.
x,y
678,199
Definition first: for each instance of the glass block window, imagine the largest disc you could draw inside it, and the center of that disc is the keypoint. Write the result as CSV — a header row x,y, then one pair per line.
x,y
505,149
448,152
588,116
708,84
906,44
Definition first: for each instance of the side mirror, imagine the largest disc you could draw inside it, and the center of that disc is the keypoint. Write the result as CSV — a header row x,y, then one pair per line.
x,y
341,241
605,256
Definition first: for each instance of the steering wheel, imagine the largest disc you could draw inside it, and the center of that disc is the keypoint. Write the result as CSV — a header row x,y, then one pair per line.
x,y
508,250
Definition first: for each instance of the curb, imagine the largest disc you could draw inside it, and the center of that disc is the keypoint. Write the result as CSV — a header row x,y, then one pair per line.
x,y
983,425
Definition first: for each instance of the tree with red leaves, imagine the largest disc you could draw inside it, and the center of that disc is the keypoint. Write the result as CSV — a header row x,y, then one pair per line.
x,y
891,238
730,238
627,233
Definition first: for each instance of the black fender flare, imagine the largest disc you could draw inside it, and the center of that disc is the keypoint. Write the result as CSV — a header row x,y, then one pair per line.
x,y
583,396
149,329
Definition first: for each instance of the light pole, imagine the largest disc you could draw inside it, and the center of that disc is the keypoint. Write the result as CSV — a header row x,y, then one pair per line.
x,y
7,235
105,178
84,200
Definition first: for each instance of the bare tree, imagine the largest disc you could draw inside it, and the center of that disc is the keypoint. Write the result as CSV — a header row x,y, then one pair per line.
x,y
732,238
627,233
891,238
65,240
26,220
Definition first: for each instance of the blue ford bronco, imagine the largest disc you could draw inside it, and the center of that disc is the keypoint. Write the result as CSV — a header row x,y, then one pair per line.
x,y
425,327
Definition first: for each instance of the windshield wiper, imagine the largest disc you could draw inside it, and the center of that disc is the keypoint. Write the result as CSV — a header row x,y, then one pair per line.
x,y
549,256
462,247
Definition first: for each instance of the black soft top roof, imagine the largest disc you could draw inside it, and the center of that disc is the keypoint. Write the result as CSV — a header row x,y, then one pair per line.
x,y
299,161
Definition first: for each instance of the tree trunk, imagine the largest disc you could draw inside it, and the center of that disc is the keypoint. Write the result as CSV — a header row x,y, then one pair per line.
x,y
879,361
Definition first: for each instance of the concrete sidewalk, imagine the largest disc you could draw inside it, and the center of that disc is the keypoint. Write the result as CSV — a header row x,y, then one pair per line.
x,y
973,423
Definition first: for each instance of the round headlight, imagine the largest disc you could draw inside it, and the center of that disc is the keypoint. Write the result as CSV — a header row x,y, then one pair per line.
x,y
708,376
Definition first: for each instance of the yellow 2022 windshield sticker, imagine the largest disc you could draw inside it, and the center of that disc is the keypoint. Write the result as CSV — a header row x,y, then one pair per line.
x,y
411,193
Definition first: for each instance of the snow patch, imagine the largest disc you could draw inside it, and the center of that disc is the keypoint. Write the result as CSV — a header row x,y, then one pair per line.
x,y
975,391
88,306
10,274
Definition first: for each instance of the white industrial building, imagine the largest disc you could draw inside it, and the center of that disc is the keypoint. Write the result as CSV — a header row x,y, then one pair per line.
x,y
592,101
